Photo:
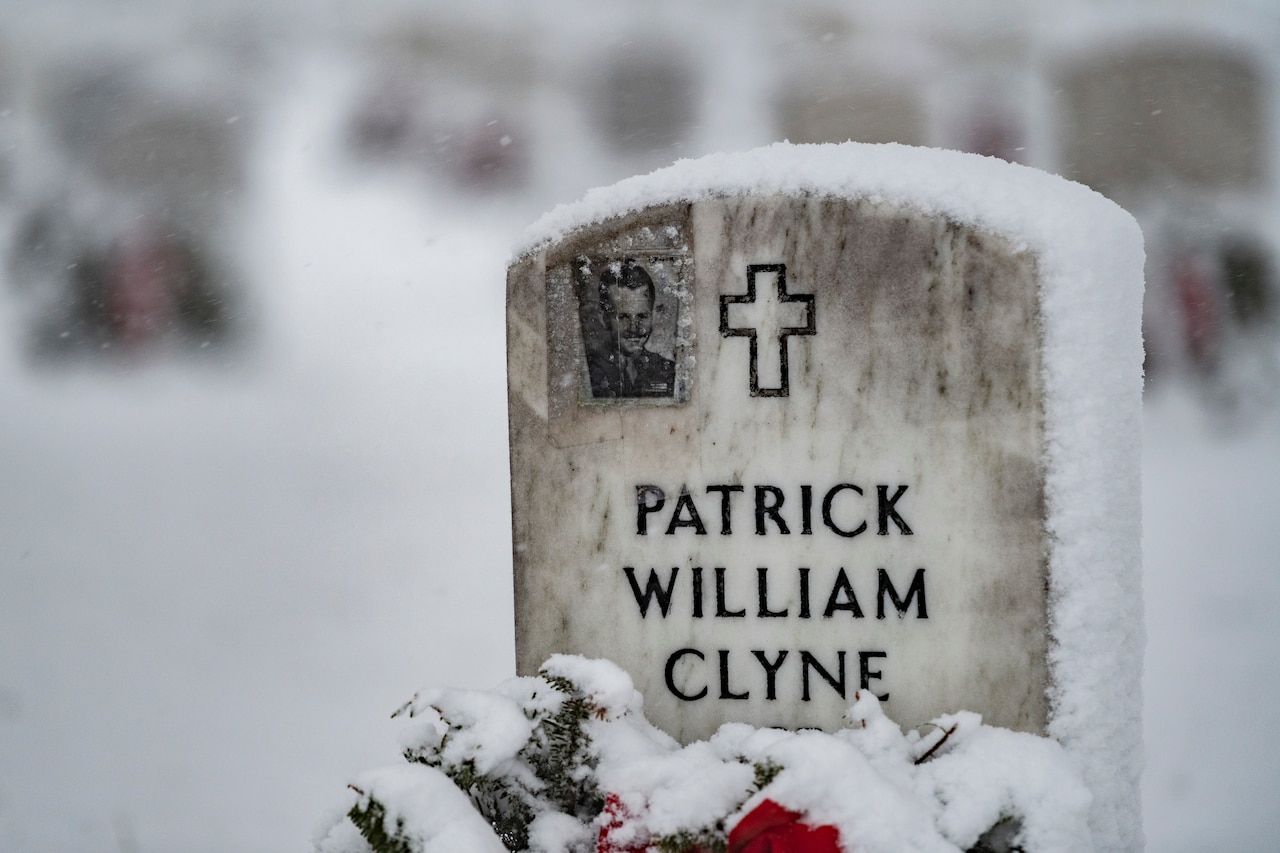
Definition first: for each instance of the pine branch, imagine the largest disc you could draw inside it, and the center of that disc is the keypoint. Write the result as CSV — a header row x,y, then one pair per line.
x,y
561,756
371,820
765,772
707,840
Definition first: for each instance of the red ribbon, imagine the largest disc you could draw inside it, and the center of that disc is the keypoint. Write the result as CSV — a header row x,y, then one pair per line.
x,y
768,828
616,814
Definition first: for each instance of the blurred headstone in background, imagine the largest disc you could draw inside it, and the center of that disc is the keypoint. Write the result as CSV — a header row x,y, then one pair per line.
x,y
1175,126
837,84
150,131
644,100
1147,114
386,118
126,243
446,101
843,109
980,103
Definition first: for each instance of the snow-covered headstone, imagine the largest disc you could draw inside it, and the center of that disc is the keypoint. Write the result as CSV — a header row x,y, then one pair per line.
x,y
814,419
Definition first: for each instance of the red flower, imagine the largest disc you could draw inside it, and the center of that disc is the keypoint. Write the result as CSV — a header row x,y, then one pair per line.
x,y
770,828
616,816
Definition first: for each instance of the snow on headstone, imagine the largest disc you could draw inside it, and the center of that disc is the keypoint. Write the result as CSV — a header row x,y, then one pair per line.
x,y
813,419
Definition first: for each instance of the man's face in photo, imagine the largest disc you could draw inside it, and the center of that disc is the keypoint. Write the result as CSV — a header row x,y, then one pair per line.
x,y
630,318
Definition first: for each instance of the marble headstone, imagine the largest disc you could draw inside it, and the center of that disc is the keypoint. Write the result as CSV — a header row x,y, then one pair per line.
x,y
799,422
826,476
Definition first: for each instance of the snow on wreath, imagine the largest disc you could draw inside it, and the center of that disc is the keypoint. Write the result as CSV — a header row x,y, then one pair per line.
x,y
565,762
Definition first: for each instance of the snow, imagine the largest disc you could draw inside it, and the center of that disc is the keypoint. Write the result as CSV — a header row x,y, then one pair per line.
x,y
1090,263
493,727
676,788
882,791
1212,679
1003,197
882,816
217,583
552,832
989,770
424,806
610,689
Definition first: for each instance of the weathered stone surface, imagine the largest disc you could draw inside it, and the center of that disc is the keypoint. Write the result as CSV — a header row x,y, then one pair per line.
x,y
874,516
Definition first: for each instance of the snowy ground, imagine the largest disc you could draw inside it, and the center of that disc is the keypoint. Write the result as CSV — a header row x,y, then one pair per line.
x,y
217,581
1211,550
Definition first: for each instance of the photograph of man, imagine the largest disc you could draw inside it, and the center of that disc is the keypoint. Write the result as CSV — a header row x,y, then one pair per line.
x,y
624,366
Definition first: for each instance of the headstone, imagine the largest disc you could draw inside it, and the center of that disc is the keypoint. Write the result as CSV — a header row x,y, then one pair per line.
x,y
840,80
448,100
645,97
982,104
850,107
139,134
798,422
1149,115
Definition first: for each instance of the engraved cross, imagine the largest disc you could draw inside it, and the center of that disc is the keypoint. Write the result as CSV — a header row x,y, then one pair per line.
x,y
765,314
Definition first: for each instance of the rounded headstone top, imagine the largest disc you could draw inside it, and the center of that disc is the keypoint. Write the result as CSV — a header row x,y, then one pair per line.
x,y
1046,213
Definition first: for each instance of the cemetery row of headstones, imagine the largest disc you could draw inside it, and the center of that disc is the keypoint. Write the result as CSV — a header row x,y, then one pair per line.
x,y
1175,127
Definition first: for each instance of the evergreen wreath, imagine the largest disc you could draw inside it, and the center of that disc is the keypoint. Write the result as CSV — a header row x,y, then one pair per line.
x,y
565,762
